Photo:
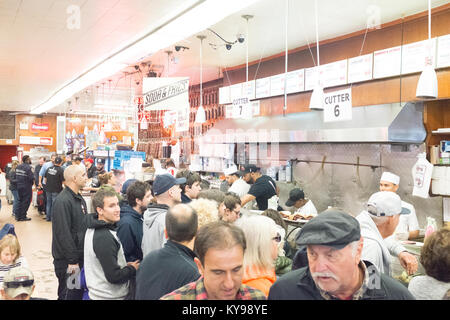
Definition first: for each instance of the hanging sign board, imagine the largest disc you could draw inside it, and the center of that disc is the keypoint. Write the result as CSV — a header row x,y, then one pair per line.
x,y
262,88
277,85
387,62
311,78
443,52
182,120
334,74
224,95
229,111
360,68
415,55
338,106
235,91
295,81
248,89
165,93
23,125
242,109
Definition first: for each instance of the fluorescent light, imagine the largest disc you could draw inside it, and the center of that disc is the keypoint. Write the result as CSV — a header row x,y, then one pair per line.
x,y
179,25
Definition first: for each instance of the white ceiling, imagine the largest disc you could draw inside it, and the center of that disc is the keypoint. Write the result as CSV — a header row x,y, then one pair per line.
x,y
39,54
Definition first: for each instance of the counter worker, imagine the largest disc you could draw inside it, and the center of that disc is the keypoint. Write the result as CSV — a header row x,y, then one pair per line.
x,y
408,222
236,183
302,205
44,168
262,187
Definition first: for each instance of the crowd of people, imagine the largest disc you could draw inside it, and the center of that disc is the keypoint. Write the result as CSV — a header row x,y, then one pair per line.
x,y
176,239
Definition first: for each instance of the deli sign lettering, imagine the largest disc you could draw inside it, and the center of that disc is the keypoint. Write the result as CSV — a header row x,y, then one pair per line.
x,y
40,126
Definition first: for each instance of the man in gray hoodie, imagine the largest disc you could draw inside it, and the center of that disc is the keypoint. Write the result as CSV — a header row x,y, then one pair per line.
x,y
167,192
378,222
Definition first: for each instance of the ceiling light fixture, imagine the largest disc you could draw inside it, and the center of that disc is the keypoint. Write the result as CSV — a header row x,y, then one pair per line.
x,y
200,116
191,17
316,102
427,87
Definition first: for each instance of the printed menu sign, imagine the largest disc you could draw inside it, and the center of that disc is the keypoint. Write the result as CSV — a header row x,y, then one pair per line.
x,y
277,85
224,95
415,55
443,55
387,62
248,89
295,81
311,78
262,87
360,68
334,74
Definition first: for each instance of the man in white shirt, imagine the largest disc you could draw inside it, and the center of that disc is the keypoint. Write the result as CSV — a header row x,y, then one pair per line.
x,y
408,223
304,207
236,183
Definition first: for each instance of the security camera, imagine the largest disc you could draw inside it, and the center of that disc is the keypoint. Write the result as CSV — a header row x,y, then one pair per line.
x,y
177,48
240,38
136,67
137,82
228,46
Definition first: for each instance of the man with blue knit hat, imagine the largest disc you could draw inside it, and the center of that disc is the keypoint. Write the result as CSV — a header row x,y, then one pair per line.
x,y
335,270
167,192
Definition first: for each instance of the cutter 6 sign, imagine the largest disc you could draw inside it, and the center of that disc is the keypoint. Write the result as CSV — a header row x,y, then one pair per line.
x,y
338,106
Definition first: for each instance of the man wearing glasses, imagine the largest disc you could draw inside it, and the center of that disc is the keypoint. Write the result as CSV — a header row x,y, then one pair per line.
x,y
230,208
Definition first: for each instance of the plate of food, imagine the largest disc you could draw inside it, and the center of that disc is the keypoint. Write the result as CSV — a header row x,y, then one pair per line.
x,y
295,217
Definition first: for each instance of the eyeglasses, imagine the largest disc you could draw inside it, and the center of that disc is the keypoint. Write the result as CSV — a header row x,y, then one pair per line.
x,y
16,284
277,238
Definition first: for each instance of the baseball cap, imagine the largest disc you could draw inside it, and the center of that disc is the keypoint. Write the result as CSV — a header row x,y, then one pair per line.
x,y
18,281
126,184
332,228
78,158
164,182
101,160
58,160
295,195
385,204
390,177
248,168
230,170
89,160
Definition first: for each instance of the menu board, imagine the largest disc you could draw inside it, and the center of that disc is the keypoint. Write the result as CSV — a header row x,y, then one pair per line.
x,y
311,78
262,88
387,62
224,95
415,55
295,81
248,90
360,68
334,74
443,52
236,91
277,85
229,111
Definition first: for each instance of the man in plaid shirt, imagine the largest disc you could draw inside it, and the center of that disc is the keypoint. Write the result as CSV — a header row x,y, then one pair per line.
x,y
220,249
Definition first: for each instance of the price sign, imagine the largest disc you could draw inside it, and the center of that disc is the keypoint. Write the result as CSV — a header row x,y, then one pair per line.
x,y
338,106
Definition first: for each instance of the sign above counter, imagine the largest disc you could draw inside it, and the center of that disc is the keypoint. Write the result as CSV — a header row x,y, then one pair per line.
x,y
389,62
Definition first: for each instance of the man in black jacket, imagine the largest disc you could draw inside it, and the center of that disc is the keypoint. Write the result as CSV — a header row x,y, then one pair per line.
x,y
25,180
68,227
54,177
335,271
171,267
108,275
129,228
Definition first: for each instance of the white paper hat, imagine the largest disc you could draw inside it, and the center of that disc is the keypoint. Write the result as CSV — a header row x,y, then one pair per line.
x,y
14,158
230,170
390,177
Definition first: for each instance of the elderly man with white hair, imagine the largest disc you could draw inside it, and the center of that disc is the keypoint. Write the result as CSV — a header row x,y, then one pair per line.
x,y
408,223
378,222
336,269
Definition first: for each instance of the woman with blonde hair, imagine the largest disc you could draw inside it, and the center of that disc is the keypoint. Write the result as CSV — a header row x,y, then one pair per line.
x,y
10,255
263,239
206,211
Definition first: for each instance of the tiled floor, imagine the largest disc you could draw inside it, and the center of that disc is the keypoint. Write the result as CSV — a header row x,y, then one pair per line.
x,y
35,238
